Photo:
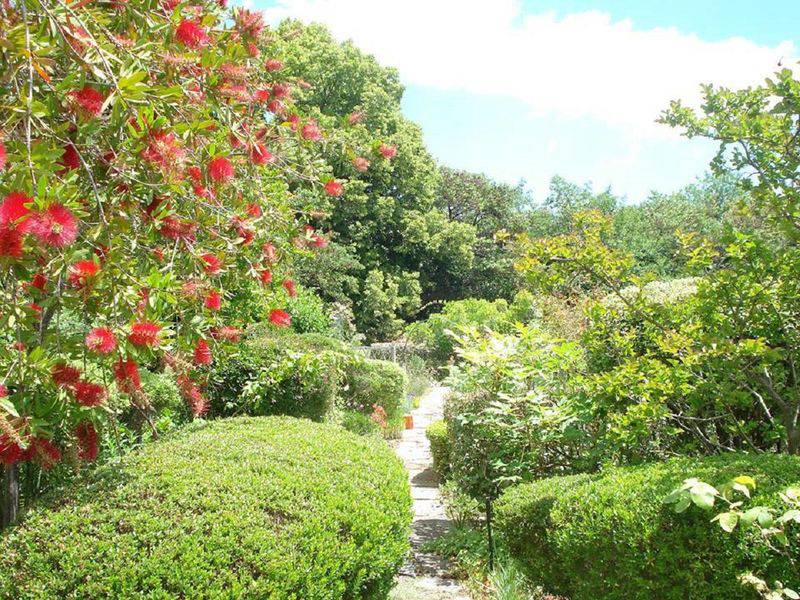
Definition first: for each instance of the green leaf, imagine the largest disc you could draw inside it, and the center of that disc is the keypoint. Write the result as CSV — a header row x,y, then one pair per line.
x,y
703,495
727,521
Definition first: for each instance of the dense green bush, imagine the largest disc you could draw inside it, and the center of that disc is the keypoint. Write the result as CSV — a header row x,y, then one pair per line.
x,y
611,535
238,508
368,382
309,313
436,333
269,377
439,439
358,422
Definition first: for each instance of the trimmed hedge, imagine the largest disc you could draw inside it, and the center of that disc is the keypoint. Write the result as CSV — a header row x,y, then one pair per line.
x,y
611,536
269,377
439,438
367,382
269,507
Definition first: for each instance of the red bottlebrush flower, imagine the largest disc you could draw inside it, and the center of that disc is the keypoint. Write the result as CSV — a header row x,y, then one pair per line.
x,y
280,90
311,131
248,22
88,101
334,188
276,107
233,72
176,229
101,340
379,415
220,169
126,374
87,441
355,117
227,333
82,272
70,159
318,241
253,50
260,155
89,394
280,318
261,95
65,376
144,334
153,206
361,164
290,288
195,174
193,395
192,288
10,242
202,353
55,226
164,152
3,156
239,93
273,64
3,391
387,151
265,276
213,300
270,253
254,210
203,192
211,263
14,213
191,34
44,452
11,452
39,281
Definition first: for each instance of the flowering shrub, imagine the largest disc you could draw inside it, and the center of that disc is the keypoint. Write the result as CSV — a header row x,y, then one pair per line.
x,y
153,174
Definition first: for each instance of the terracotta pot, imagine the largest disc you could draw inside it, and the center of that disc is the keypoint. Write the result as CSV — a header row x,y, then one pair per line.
x,y
409,419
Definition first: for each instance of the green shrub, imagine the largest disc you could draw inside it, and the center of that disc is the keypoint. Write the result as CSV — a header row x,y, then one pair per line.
x,y
611,535
358,422
237,508
434,334
439,439
268,377
309,313
368,382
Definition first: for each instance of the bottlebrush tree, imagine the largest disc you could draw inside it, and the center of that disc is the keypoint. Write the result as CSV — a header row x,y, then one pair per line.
x,y
153,168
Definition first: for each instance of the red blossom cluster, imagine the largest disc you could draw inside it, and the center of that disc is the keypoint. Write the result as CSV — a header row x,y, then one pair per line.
x,y
143,199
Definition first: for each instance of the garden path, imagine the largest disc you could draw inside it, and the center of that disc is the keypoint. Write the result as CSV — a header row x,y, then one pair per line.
x,y
426,576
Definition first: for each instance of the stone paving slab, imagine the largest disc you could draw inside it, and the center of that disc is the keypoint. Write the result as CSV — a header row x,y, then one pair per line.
x,y
426,576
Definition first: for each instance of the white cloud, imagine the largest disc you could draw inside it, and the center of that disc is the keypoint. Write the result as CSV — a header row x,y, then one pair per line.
x,y
581,65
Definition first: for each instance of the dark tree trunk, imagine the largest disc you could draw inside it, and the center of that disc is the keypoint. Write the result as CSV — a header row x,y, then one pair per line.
x,y
489,536
10,495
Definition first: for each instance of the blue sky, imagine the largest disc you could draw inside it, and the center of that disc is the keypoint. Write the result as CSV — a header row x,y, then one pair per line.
x,y
527,89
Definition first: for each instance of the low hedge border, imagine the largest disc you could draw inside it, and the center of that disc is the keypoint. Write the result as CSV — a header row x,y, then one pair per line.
x,y
611,536
269,507
439,438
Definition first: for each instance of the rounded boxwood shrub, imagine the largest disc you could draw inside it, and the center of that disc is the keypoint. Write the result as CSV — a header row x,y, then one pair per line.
x,y
269,377
367,382
611,536
439,438
269,507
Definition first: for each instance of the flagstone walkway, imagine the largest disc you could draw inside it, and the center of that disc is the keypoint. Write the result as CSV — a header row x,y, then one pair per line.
x,y
426,576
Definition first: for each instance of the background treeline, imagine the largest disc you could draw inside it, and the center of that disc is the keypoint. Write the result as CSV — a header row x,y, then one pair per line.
x,y
409,233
